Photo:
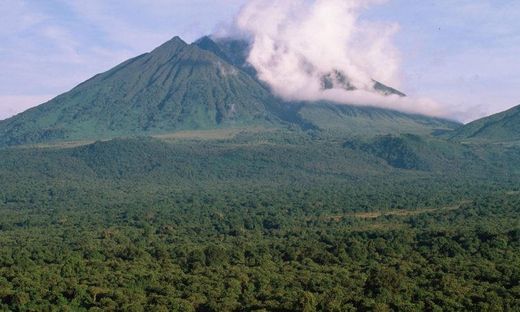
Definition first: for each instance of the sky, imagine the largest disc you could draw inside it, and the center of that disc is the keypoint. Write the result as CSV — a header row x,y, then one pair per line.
x,y
463,54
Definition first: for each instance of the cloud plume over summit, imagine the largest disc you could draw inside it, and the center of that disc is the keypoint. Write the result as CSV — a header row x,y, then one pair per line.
x,y
295,43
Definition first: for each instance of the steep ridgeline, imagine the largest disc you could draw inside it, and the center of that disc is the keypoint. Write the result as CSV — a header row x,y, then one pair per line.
x,y
501,127
176,86
204,85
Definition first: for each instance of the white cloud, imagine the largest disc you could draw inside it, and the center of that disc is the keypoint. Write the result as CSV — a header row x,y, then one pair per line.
x,y
297,42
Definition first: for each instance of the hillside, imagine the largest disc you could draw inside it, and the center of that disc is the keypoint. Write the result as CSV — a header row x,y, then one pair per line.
x,y
501,127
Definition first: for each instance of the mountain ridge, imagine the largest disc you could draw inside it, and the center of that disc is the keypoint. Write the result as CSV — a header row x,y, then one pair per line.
x,y
500,127
160,91
179,86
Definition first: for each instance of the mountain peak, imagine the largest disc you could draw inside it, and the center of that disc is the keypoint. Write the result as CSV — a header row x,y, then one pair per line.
x,y
173,45
207,44
205,40
234,51
175,87
176,41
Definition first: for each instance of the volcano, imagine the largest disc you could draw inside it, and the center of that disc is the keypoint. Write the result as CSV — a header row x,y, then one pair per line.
x,y
204,85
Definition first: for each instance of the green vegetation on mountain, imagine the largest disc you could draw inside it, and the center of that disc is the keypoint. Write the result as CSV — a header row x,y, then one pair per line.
x,y
501,127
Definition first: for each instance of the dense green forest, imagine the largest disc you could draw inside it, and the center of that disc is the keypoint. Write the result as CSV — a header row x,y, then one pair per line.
x,y
261,221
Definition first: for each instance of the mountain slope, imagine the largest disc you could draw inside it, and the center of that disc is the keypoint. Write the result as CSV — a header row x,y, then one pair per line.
x,y
176,86
501,127
204,85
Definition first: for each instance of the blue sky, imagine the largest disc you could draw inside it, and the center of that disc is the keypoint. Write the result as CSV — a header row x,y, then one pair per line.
x,y
464,54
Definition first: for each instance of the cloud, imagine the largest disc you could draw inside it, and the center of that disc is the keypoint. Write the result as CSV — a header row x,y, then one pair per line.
x,y
295,43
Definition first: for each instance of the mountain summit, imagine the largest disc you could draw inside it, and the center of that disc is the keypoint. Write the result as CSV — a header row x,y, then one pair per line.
x,y
176,86
180,86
